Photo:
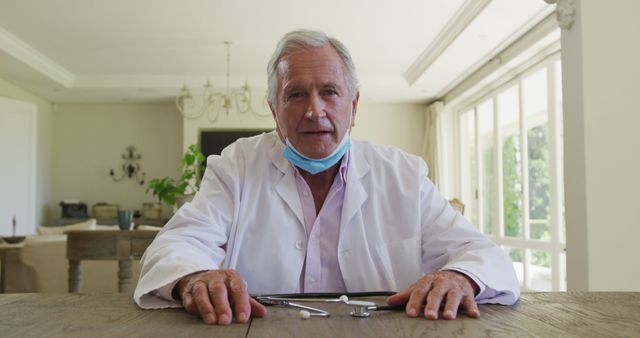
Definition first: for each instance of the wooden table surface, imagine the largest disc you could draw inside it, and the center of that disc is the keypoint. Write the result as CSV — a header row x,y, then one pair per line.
x,y
115,315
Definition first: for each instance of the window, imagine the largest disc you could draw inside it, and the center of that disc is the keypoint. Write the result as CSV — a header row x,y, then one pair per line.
x,y
511,172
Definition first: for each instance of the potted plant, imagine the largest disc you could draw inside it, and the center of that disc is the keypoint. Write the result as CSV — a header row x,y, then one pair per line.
x,y
173,192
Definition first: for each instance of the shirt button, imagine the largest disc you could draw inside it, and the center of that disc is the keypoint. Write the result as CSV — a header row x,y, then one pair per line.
x,y
299,244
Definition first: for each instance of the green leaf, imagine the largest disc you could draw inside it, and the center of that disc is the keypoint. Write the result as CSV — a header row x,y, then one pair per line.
x,y
167,189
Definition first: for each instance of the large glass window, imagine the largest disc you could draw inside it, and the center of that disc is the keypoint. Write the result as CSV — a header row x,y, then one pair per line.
x,y
511,147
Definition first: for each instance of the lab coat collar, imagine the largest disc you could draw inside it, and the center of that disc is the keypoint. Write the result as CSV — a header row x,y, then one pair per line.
x,y
355,195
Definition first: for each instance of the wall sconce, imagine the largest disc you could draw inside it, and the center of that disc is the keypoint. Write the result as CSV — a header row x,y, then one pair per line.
x,y
130,167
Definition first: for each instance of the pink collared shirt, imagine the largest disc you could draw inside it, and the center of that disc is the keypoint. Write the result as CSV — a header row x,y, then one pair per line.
x,y
321,271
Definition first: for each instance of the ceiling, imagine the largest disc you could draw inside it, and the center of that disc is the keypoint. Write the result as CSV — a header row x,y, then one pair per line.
x,y
144,50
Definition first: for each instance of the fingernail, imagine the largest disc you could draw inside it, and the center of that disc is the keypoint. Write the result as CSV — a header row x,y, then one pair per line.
x,y
449,315
412,312
432,314
224,319
242,317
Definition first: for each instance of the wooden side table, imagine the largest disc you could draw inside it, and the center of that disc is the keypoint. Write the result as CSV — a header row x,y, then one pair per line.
x,y
5,249
121,245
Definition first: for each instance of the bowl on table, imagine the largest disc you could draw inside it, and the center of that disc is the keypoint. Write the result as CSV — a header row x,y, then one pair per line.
x,y
13,239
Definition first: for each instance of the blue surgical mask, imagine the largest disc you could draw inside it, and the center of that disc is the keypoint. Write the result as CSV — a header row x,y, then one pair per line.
x,y
314,166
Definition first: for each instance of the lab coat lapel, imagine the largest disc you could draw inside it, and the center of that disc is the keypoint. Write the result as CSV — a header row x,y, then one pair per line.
x,y
355,195
356,262
286,186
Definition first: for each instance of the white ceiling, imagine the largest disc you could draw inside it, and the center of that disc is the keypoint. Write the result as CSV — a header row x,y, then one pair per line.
x,y
144,50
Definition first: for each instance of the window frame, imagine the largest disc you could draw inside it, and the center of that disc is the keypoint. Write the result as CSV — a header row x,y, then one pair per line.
x,y
556,245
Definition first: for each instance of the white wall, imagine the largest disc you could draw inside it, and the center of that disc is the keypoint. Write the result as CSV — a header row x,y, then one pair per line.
x,y
44,145
90,139
600,58
395,124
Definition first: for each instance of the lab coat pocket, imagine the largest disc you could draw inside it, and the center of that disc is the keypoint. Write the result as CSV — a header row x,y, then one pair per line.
x,y
400,262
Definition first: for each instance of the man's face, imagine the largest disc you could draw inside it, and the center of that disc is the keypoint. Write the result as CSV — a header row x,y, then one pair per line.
x,y
313,109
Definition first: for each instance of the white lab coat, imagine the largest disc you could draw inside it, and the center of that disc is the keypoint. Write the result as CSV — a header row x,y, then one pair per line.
x,y
395,226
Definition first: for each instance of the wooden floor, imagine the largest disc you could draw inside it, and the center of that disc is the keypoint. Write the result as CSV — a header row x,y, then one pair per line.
x,y
115,315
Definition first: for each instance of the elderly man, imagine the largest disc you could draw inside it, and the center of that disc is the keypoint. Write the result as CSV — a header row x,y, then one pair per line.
x,y
308,209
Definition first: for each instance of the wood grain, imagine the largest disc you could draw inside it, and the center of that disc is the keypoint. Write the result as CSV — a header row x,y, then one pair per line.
x,y
99,315
536,315
606,314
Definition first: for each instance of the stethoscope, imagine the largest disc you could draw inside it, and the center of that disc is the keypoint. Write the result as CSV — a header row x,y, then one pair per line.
x,y
359,308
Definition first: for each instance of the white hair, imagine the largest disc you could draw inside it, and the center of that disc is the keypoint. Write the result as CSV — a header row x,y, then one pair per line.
x,y
301,39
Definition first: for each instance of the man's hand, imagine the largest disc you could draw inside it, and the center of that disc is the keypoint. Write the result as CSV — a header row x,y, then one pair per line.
x,y
214,293
453,287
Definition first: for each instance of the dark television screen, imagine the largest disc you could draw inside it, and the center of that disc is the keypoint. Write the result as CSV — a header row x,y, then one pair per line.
x,y
213,141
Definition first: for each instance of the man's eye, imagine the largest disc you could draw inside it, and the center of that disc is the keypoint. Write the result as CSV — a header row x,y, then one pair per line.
x,y
295,95
330,92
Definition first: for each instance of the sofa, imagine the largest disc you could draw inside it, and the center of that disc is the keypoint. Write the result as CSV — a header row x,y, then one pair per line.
x,y
40,265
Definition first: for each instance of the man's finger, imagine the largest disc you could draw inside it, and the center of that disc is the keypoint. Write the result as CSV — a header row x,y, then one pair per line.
x,y
418,297
189,303
403,296
434,299
203,302
400,298
238,296
219,296
452,304
470,304
257,309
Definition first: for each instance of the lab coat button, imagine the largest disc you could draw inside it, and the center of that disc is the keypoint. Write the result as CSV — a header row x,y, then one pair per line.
x,y
299,244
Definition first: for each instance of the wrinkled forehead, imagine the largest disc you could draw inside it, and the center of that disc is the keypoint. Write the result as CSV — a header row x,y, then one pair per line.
x,y
311,61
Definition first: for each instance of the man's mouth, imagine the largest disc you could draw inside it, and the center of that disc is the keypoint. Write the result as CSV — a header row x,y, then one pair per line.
x,y
317,132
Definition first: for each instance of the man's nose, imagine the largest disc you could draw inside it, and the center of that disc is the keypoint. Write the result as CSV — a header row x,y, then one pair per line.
x,y
316,108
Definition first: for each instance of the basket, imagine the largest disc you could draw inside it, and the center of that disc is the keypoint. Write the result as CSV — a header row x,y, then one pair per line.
x,y
105,211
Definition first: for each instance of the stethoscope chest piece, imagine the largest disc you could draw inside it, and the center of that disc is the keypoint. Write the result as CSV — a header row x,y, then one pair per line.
x,y
360,312
361,308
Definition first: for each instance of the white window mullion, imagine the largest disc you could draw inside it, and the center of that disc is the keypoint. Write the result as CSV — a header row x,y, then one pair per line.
x,y
479,171
524,166
524,197
497,137
526,262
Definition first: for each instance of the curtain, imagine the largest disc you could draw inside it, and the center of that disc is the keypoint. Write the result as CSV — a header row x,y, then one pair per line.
x,y
430,145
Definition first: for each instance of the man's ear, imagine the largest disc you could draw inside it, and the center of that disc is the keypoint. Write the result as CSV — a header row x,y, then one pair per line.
x,y
354,108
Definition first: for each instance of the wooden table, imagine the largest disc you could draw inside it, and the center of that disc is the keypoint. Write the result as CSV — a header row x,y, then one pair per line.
x,y
120,245
115,315
5,249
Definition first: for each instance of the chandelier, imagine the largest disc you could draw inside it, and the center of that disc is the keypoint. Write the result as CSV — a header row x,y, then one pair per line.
x,y
214,102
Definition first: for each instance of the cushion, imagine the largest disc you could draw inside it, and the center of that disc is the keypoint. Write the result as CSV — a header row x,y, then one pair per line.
x,y
89,224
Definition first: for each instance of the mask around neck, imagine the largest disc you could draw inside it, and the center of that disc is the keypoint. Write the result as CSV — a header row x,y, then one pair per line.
x,y
314,166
